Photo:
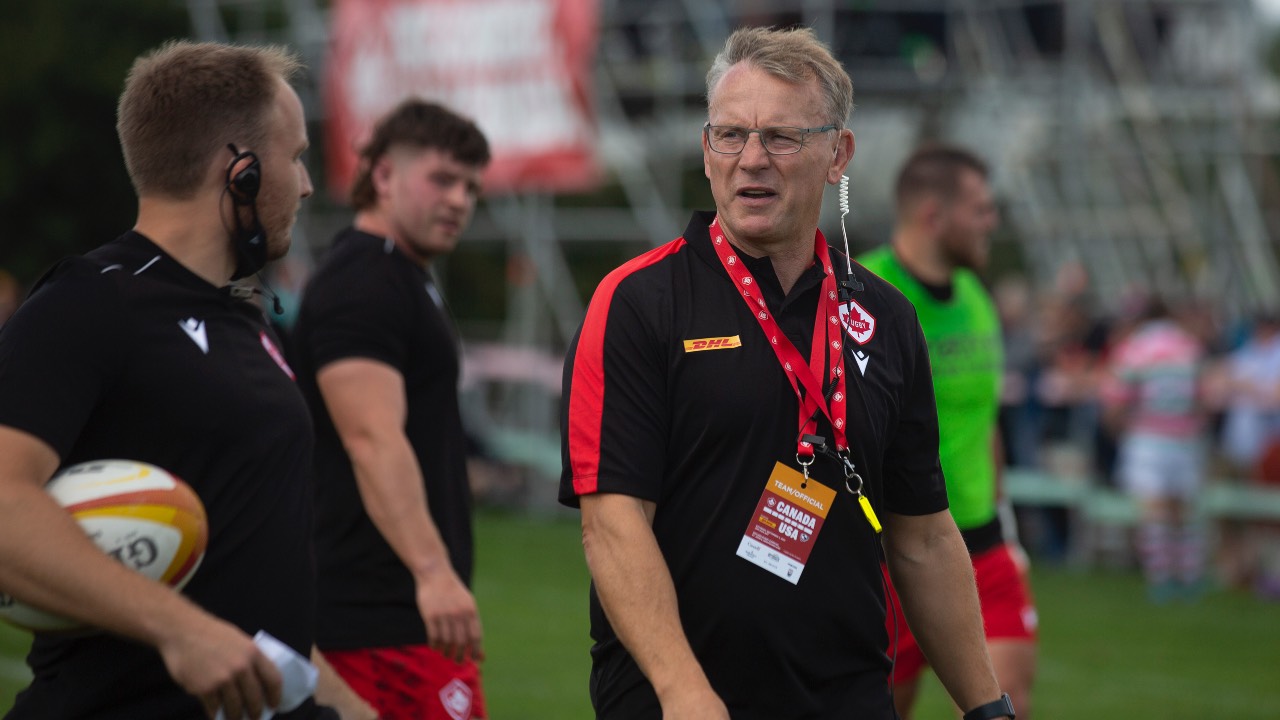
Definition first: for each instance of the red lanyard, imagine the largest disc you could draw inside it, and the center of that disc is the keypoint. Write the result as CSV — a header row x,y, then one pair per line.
x,y
813,376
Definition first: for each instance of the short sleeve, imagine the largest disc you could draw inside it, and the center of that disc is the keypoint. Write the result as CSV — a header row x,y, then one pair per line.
x,y
913,477
614,425
359,314
60,352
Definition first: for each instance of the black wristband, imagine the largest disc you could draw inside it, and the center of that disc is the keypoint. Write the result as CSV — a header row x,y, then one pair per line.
x,y
994,709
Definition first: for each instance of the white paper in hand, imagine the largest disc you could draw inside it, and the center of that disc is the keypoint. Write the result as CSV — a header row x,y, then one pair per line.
x,y
298,674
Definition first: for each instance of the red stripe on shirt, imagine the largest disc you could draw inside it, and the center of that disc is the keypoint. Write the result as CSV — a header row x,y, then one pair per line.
x,y
586,399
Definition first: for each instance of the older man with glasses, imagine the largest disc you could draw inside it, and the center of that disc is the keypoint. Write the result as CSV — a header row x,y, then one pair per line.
x,y
748,424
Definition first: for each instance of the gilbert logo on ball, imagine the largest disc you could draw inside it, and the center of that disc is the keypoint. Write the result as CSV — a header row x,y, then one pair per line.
x,y
139,514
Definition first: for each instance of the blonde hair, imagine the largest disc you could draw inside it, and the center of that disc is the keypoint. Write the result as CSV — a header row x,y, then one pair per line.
x,y
795,55
186,101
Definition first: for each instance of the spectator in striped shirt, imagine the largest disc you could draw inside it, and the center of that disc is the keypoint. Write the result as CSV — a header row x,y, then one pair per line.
x,y
1151,400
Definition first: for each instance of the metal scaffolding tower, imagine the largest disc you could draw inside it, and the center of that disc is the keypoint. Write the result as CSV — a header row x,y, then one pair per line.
x,y
1139,145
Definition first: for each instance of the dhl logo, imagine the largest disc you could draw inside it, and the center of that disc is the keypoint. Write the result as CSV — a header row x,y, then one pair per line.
x,y
719,343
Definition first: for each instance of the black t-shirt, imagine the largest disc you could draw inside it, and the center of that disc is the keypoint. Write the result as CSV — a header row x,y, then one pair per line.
x,y
368,300
698,433
124,353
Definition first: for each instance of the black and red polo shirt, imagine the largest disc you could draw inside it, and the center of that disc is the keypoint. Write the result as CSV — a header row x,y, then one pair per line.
x,y
674,395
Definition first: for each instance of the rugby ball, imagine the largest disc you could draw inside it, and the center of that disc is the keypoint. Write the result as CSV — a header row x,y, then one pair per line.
x,y
139,514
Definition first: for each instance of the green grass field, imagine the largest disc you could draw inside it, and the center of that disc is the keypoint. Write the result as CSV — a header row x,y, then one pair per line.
x,y
1105,652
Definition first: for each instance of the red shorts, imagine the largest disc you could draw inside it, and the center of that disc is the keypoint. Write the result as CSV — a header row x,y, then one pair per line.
x,y
412,682
1008,610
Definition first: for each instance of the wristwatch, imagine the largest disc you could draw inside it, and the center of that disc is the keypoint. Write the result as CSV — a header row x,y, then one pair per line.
x,y
994,709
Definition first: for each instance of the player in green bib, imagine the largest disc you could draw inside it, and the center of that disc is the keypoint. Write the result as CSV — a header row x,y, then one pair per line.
x,y
945,214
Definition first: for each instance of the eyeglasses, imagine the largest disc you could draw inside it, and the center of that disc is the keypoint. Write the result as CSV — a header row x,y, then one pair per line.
x,y
731,139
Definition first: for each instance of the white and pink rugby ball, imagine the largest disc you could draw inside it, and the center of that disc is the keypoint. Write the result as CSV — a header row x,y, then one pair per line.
x,y
139,514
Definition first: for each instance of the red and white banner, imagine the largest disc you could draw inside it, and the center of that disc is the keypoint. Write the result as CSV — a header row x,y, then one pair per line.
x,y
521,69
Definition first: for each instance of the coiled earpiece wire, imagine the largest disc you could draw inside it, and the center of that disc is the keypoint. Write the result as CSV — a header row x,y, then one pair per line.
x,y
844,210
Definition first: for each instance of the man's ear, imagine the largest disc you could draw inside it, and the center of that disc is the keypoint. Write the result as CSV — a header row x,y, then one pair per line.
x,y
380,175
706,156
931,211
841,156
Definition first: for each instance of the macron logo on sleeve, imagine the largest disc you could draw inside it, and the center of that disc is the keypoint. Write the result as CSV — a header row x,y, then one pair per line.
x,y
195,330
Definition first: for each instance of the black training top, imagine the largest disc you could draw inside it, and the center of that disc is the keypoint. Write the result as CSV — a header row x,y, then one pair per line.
x,y
124,353
651,415
369,300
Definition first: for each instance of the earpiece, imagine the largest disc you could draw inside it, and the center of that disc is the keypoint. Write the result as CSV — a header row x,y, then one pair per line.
x,y
249,239
243,184
844,210
850,284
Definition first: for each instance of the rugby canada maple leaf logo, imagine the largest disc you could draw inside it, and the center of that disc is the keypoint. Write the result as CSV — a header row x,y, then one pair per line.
x,y
857,322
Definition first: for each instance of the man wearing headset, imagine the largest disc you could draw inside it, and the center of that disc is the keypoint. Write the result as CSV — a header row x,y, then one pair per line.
x,y
141,350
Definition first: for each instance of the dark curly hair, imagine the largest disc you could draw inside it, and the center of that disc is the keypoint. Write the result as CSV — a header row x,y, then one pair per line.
x,y
417,123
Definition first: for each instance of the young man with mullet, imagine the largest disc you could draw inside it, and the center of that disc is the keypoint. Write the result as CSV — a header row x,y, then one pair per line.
x,y
378,359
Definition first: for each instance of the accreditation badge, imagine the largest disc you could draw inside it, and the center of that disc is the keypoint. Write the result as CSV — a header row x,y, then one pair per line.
x,y
786,523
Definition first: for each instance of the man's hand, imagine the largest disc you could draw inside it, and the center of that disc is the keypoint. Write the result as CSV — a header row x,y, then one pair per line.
x,y
222,667
451,616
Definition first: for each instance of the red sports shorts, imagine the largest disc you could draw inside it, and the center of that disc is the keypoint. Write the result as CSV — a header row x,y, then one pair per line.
x,y
412,682
1008,610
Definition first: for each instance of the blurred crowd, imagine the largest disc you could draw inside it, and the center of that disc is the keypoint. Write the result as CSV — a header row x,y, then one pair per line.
x,y
1060,345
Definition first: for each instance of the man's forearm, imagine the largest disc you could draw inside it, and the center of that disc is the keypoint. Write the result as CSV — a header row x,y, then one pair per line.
x,y
933,574
391,488
46,559
636,591
366,400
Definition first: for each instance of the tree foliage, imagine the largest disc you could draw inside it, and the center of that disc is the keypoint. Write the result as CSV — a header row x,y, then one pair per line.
x,y
63,186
